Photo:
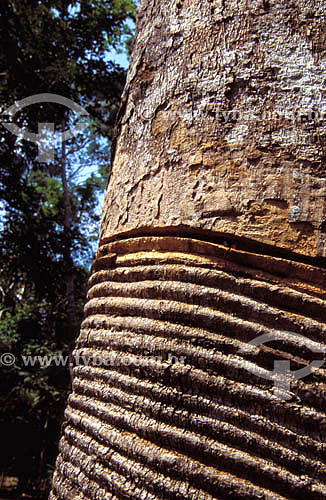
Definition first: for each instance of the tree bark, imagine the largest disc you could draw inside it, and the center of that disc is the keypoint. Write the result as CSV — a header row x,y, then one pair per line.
x,y
67,257
213,234
180,158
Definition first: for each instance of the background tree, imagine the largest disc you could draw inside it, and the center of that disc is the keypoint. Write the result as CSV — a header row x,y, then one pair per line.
x,y
49,211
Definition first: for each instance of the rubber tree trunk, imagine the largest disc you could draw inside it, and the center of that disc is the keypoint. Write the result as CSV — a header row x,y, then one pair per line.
x,y
213,234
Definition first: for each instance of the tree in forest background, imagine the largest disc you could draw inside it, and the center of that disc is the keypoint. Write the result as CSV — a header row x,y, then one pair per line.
x,y
49,211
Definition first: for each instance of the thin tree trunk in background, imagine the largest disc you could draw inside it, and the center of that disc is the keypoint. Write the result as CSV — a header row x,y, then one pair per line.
x,y
42,463
213,234
67,257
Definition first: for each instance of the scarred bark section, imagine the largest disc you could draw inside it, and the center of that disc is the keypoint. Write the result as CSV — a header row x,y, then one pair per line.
x,y
207,136
205,426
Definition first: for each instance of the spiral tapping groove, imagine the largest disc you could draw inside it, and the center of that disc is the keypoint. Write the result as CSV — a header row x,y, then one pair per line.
x,y
170,399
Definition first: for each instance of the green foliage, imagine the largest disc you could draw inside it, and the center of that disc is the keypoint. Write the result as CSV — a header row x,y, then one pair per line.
x,y
47,242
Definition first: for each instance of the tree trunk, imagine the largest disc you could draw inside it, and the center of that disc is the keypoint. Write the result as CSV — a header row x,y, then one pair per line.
x,y
67,257
213,234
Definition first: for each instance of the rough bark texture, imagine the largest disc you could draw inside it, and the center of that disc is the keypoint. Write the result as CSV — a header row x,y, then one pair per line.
x,y
205,427
178,163
213,234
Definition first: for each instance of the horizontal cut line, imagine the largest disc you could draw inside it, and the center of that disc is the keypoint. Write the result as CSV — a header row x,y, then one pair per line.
x,y
197,337
259,290
191,315
135,468
213,358
230,459
86,481
227,433
254,400
204,476
189,236
194,294
204,405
